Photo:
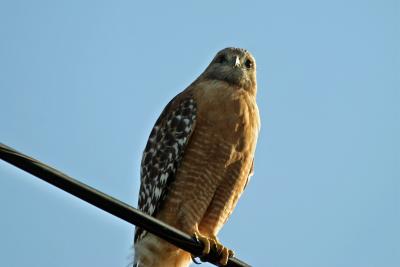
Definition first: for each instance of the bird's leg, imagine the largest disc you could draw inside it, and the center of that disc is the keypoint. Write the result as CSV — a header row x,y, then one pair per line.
x,y
213,242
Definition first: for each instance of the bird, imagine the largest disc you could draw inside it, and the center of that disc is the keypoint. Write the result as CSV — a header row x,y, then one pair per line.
x,y
199,158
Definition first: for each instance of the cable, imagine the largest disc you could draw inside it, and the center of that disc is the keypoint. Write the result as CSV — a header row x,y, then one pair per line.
x,y
111,205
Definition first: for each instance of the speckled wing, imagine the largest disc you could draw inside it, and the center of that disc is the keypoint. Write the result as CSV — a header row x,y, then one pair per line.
x,y
163,153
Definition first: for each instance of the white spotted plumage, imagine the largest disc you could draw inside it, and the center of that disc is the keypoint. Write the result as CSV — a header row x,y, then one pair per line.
x,y
162,155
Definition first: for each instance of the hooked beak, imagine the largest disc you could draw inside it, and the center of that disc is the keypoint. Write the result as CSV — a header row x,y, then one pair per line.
x,y
237,62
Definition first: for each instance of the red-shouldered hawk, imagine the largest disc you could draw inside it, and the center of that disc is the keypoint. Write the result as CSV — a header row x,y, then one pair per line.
x,y
199,157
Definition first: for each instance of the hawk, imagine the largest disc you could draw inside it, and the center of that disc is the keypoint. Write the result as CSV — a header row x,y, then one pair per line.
x,y
199,157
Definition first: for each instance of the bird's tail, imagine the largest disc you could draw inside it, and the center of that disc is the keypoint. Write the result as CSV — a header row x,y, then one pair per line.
x,y
152,251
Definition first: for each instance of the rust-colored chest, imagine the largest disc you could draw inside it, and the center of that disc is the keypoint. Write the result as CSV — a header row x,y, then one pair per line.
x,y
231,114
217,159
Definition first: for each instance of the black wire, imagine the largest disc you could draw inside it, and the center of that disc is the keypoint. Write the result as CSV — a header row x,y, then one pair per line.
x,y
110,205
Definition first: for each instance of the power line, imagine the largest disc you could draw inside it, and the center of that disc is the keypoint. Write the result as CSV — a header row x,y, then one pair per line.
x,y
111,205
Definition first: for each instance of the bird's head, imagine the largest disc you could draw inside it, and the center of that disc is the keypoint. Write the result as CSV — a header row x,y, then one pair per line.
x,y
235,66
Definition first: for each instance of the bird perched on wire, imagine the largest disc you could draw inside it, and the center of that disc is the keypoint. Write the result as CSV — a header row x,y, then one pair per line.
x,y
199,158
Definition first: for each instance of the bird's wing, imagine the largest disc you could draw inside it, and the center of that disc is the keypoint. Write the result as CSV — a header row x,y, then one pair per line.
x,y
163,153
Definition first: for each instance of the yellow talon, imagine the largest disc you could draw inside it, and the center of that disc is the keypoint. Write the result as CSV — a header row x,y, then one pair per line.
x,y
223,251
225,255
213,242
205,241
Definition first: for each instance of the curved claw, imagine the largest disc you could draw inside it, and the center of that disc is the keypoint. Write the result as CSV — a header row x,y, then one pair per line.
x,y
194,260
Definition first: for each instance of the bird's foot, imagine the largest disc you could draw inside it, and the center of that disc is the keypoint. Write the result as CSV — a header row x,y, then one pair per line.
x,y
224,252
212,243
205,240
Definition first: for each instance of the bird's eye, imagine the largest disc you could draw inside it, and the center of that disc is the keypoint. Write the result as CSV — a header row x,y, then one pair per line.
x,y
248,63
221,59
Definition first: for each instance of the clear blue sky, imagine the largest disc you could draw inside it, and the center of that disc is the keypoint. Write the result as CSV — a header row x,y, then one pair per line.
x,y
82,83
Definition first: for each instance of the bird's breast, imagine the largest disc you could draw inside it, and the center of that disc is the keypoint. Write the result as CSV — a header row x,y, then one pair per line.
x,y
231,113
